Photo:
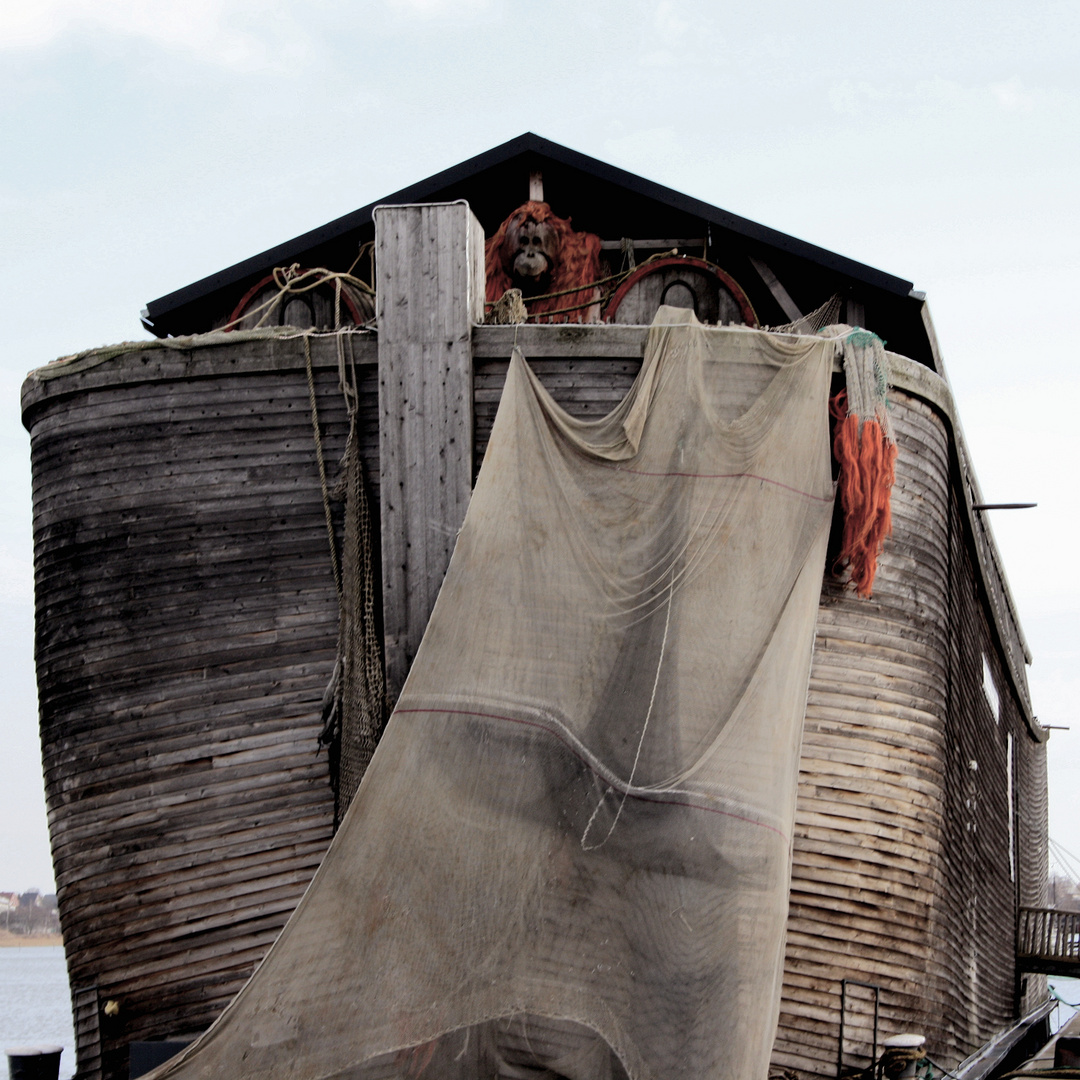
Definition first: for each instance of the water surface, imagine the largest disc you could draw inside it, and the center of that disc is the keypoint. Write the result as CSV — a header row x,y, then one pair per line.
x,y
1069,991
35,1007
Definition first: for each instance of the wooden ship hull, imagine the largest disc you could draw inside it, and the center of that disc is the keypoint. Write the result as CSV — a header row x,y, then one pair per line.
x,y
188,623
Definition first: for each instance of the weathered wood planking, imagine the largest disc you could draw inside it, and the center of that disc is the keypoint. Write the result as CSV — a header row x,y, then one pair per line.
x,y
901,866
430,292
979,873
187,620
870,813
149,522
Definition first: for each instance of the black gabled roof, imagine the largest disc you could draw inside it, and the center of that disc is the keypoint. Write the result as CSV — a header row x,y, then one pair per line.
x,y
599,197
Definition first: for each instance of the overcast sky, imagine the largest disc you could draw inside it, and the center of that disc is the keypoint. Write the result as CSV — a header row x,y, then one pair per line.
x,y
146,144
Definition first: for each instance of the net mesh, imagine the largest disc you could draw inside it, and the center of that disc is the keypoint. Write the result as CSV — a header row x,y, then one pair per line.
x,y
354,702
360,692
827,315
570,855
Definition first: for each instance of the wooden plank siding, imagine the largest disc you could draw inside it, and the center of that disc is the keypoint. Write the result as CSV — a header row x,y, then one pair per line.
x,y
901,866
187,622
430,293
870,811
186,629
982,882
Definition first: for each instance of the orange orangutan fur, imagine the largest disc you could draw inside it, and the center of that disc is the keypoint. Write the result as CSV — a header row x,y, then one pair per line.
x,y
867,471
578,265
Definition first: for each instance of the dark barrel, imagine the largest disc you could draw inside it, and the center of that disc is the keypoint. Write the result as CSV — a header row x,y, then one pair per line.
x,y
34,1062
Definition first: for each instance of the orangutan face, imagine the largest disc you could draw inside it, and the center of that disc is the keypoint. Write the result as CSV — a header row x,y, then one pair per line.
x,y
531,252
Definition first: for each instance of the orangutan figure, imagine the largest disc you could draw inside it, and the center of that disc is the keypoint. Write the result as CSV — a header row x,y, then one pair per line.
x,y
540,254
531,249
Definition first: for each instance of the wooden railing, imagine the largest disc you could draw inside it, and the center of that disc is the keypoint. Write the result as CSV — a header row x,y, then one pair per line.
x,y
1048,941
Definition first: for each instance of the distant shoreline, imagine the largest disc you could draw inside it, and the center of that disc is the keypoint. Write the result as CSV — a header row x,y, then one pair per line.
x,y
9,940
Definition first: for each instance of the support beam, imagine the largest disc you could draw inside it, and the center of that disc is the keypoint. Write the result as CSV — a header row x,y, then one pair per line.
x,y
430,292
780,294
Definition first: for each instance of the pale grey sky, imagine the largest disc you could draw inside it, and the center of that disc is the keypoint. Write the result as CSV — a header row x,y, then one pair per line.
x,y
146,143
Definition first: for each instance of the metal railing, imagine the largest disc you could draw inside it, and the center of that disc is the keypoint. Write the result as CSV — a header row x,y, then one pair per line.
x,y
844,984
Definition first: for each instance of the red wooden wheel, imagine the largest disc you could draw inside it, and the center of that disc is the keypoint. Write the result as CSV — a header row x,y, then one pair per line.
x,y
675,279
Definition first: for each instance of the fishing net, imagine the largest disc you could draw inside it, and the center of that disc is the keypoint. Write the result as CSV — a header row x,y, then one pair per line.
x,y
570,855
354,700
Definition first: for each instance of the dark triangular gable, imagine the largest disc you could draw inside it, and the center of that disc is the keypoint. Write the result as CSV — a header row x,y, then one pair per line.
x,y
601,199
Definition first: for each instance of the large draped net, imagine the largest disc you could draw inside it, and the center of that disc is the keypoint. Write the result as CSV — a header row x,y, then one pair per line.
x,y
570,855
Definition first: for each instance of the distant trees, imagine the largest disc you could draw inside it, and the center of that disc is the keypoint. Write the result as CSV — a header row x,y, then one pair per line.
x,y
29,913
1064,893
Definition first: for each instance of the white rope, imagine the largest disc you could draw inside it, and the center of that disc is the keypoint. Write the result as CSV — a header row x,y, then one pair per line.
x,y
292,282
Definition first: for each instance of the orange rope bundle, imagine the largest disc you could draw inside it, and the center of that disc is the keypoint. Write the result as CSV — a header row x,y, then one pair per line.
x,y
867,460
578,266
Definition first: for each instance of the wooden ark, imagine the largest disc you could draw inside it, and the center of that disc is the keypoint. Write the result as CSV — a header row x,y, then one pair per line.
x,y
187,617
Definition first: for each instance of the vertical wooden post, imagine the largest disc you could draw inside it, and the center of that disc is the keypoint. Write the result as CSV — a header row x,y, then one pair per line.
x,y
430,286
